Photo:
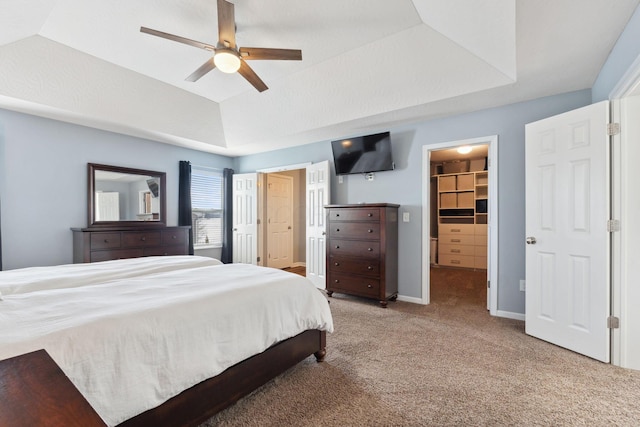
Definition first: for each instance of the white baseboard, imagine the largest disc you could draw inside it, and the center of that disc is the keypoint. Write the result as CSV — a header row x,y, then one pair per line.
x,y
410,299
299,264
510,315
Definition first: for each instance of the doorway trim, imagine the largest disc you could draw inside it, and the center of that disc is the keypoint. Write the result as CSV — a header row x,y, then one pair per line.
x,y
622,173
492,267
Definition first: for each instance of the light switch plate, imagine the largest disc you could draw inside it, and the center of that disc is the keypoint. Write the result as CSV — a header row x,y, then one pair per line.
x,y
406,217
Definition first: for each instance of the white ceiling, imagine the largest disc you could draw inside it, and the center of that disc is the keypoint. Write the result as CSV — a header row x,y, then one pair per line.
x,y
367,64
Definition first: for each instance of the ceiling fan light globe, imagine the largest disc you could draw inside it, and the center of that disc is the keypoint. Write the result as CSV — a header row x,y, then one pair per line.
x,y
226,61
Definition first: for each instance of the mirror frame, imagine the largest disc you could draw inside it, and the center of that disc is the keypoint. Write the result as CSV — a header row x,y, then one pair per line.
x,y
93,167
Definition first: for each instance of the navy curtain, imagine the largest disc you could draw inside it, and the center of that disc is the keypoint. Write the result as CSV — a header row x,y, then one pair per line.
x,y
184,200
227,217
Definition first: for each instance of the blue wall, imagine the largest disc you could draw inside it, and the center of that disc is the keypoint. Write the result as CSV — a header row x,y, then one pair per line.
x,y
43,181
403,185
626,50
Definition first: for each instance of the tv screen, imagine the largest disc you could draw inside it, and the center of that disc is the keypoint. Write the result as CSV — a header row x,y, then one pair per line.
x,y
362,154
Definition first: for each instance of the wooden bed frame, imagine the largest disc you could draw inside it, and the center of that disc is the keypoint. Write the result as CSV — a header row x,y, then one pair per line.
x,y
200,402
35,392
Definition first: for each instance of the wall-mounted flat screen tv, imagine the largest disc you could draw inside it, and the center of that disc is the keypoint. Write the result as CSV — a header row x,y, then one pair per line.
x,y
363,154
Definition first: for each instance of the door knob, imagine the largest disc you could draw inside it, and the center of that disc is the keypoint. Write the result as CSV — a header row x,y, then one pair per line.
x,y
531,240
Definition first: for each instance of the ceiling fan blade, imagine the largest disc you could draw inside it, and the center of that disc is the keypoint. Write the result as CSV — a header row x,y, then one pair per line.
x,y
204,69
226,24
253,53
177,38
247,72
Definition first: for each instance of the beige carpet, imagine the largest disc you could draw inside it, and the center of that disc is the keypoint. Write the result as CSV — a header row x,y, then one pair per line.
x,y
446,364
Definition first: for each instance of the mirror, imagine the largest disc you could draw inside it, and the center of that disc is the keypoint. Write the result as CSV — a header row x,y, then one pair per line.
x,y
126,197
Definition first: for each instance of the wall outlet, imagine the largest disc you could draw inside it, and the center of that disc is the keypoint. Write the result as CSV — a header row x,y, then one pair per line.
x,y
523,285
340,179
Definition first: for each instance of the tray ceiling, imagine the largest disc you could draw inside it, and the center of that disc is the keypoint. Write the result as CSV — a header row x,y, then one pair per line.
x,y
366,65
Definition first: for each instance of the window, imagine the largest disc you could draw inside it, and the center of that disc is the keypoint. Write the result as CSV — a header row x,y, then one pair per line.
x,y
206,206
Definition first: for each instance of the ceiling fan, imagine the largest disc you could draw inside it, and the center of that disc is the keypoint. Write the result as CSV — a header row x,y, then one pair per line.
x,y
227,57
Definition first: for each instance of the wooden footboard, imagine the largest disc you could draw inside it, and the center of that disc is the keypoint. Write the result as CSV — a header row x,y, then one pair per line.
x,y
200,402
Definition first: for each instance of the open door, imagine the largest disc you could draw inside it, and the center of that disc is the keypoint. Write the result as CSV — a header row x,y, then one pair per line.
x,y
317,198
245,224
567,251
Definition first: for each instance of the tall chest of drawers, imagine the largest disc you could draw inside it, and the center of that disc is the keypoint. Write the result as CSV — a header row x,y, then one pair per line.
x,y
92,245
362,250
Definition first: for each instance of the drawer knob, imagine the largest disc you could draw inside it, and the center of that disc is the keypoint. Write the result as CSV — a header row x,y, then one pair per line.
x,y
337,229
337,246
369,214
455,251
369,231
337,214
165,254
369,268
174,237
337,264
455,261
455,240
337,281
370,249
143,238
106,240
455,230
369,286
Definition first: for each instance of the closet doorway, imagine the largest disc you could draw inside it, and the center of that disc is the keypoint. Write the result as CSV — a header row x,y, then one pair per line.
x,y
282,222
460,222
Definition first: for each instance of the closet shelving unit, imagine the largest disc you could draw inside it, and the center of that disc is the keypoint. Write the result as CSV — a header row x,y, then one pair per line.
x,y
462,219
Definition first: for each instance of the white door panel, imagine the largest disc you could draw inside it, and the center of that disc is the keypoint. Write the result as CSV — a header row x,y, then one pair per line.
x,y
317,198
279,221
245,228
567,199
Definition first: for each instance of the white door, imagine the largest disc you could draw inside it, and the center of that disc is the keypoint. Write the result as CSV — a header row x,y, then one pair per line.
x,y
245,227
317,198
279,221
567,251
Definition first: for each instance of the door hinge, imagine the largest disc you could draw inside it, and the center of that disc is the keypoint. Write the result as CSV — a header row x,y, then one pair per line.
x,y
613,322
488,284
613,225
258,221
613,129
258,259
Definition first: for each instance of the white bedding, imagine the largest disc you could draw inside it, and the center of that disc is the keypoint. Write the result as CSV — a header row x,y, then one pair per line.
x,y
131,343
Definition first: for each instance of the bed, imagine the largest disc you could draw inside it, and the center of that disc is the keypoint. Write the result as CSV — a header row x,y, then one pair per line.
x,y
156,340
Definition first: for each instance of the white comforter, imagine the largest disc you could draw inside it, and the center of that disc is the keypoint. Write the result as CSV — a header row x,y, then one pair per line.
x,y
131,343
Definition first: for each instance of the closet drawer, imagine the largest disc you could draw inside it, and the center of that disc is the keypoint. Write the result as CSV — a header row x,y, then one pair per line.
x,y
480,240
354,230
456,229
467,261
480,251
457,249
456,239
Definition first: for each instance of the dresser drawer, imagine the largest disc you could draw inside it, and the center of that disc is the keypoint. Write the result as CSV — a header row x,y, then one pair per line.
x,y
456,249
456,239
177,237
354,214
467,261
105,240
354,248
164,250
356,285
456,229
357,266
354,230
109,255
141,238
